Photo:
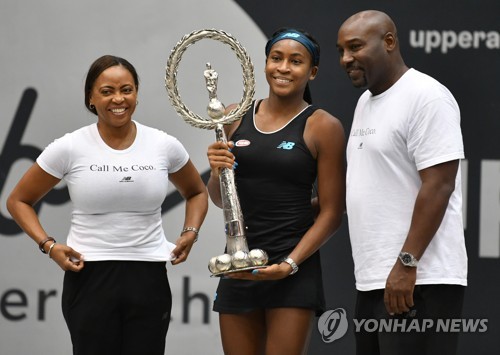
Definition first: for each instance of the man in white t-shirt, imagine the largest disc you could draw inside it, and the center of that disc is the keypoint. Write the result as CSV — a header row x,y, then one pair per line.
x,y
404,200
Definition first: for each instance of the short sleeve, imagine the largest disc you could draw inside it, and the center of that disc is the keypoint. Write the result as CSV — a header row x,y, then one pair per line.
x,y
435,135
55,157
178,155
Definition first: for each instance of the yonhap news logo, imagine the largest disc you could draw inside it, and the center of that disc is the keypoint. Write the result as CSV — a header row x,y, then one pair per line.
x,y
333,325
407,325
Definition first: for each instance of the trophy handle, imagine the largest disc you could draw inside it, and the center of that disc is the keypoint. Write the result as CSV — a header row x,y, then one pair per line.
x,y
233,217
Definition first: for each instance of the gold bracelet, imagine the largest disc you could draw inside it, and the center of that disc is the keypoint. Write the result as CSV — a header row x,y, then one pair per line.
x,y
42,243
191,229
50,249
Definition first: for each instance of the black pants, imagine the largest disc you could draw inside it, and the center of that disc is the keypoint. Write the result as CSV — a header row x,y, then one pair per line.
x,y
381,334
117,308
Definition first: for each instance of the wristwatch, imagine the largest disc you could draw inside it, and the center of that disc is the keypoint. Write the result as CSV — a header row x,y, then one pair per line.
x,y
408,259
290,262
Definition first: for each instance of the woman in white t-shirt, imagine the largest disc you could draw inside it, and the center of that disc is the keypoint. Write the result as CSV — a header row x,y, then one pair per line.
x,y
116,296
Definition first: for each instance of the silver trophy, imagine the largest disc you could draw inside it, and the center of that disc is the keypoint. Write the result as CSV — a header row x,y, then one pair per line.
x,y
237,256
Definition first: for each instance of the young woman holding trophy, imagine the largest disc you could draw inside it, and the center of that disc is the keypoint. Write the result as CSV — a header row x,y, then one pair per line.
x,y
279,149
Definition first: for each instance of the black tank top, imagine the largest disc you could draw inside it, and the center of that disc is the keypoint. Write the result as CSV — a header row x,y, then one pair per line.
x,y
274,178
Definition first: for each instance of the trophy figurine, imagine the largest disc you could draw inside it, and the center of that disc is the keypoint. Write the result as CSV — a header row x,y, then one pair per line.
x,y
237,256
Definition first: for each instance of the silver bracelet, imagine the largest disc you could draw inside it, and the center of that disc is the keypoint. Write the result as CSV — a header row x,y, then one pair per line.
x,y
196,231
50,249
292,263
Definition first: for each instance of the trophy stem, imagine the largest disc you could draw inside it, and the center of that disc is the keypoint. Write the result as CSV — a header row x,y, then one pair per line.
x,y
233,217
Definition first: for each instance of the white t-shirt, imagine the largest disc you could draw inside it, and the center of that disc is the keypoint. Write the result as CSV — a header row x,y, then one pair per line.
x,y
116,194
413,125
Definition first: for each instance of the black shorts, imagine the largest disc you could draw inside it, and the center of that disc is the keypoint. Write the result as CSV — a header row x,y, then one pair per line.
x,y
117,307
432,303
301,290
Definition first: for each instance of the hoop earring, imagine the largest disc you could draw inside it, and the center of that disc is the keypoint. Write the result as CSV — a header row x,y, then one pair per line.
x,y
91,106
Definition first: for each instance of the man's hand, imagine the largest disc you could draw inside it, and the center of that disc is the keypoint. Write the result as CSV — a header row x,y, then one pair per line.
x,y
398,295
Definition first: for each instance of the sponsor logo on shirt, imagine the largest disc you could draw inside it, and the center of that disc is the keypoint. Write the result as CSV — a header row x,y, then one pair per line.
x,y
242,143
127,179
286,145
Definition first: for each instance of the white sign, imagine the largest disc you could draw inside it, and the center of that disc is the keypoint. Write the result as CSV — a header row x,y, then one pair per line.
x,y
47,48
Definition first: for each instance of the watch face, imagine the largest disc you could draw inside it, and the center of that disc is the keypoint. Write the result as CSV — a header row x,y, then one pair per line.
x,y
406,258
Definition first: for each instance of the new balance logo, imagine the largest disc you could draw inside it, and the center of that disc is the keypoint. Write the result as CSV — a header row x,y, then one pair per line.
x,y
127,179
286,145
360,145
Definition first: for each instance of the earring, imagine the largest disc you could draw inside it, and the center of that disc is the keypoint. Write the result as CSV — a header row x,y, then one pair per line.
x,y
137,102
91,106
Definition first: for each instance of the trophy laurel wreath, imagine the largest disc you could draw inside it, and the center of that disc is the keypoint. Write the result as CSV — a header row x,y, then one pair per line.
x,y
237,256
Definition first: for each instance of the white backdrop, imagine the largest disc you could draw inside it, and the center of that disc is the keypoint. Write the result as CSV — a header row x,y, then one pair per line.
x,y
48,46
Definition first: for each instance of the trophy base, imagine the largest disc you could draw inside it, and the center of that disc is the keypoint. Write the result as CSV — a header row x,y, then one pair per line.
x,y
222,273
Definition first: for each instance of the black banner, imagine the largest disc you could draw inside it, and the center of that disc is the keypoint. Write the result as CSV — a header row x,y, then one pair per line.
x,y
456,42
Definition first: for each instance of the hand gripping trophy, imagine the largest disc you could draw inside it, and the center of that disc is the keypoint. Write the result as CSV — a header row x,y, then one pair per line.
x,y
237,256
